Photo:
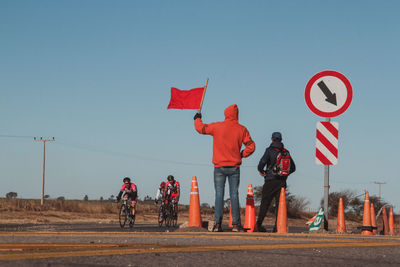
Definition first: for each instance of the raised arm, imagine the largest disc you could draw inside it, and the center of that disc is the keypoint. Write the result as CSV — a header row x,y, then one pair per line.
x,y
201,127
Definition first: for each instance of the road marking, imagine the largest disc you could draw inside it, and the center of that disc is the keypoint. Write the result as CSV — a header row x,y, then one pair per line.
x,y
179,249
199,233
60,245
242,237
205,235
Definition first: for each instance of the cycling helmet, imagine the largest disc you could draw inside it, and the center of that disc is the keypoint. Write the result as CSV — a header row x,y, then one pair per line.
x,y
170,178
127,179
162,184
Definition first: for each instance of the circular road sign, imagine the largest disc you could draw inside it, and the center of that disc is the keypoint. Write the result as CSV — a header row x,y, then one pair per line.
x,y
328,93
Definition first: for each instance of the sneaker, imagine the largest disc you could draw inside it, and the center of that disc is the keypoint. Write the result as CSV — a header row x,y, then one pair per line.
x,y
238,228
261,228
217,228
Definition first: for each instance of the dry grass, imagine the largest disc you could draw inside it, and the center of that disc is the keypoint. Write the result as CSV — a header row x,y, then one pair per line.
x,y
79,206
68,211
23,211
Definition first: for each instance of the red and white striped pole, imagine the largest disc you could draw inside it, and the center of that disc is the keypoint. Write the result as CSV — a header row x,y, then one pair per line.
x,y
327,143
327,154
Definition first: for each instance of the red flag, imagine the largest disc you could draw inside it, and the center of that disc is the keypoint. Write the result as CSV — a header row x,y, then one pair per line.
x,y
186,99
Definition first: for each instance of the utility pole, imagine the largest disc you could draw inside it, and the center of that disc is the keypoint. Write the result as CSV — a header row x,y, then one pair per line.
x,y
44,162
379,183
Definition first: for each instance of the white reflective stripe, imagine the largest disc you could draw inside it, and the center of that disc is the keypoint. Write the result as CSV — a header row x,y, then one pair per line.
x,y
327,134
194,193
321,147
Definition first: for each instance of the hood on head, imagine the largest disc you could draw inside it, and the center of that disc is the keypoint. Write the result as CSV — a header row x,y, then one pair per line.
x,y
232,112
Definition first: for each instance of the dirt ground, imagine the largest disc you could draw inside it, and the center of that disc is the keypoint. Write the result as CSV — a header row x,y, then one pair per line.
x,y
51,217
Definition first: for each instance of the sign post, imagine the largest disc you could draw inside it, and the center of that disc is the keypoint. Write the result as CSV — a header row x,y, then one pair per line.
x,y
328,94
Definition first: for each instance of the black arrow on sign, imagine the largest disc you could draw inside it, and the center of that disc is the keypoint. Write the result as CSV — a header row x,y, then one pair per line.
x,y
331,98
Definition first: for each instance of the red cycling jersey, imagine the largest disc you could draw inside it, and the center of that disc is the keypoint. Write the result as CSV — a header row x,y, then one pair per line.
x,y
172,189
130,190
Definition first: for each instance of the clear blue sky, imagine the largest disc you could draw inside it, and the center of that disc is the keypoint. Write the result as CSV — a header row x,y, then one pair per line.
x,y
96,75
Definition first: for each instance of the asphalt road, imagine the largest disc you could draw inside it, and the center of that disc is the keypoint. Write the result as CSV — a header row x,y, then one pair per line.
x,y
149,245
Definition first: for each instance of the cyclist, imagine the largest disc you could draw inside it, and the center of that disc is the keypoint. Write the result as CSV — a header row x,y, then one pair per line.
x,y
160,196
160,193
172,191
129,190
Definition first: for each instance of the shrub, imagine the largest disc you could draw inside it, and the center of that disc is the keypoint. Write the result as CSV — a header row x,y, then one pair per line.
x,y
11,195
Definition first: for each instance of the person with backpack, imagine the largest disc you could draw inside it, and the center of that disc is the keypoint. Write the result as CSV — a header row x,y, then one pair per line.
x,y
279,165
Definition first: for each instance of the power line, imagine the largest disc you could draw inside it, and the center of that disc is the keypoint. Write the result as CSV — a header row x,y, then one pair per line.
x,y
15,136
129,155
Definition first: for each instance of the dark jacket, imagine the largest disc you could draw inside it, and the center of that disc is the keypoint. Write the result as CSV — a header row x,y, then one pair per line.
x,y
269,159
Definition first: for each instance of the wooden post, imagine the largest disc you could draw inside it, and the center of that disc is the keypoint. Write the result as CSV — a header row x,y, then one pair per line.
x,y
44,164
201,103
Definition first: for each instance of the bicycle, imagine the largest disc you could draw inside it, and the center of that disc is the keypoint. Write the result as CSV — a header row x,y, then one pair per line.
x,y
171,214
125,214
162,215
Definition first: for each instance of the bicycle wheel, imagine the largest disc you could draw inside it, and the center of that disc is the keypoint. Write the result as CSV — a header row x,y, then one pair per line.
x,y
175,219
171,215
123,215
132,220
167,216
161,216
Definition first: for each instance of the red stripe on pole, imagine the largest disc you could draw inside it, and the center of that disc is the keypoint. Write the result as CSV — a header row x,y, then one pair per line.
x,y
327,144
329,126
322,158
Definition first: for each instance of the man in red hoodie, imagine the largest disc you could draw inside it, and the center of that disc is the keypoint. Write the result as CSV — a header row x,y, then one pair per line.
x,y
228,138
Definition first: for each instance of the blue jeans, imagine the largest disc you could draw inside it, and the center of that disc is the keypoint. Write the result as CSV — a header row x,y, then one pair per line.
x,y
220,175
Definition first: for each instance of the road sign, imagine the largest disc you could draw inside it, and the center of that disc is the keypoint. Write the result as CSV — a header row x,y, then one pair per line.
x,y
328,94
327,143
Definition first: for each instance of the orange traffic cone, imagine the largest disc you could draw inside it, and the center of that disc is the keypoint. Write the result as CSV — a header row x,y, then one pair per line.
x,y
373,220
366,227
194,209
250,215
391,222
385,222
230,216
341,225
281,224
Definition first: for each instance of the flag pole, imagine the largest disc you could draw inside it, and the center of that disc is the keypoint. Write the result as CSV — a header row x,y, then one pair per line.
x,y
202,98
